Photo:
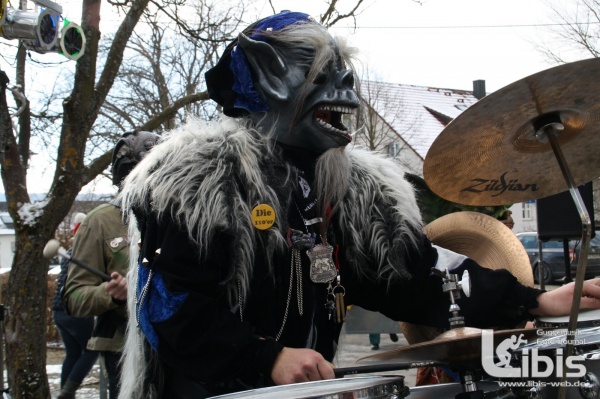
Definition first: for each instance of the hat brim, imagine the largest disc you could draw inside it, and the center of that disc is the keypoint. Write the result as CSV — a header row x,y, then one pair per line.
x,y
485,240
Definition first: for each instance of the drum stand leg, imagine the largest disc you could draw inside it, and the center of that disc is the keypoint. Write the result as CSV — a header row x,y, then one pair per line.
x,y
550,129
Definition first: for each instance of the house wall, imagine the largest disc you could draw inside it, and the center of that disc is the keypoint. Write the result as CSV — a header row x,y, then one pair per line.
x,y
7,247
394,147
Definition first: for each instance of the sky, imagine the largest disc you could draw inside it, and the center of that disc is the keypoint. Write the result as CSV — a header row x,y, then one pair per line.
x,y
449,43
437,43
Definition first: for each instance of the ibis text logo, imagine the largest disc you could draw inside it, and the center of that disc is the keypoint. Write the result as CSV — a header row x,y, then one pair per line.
x,y
496,360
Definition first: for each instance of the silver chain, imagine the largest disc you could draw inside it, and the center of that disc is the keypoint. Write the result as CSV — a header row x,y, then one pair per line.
x,y
139,302
239,284
296,265
299,292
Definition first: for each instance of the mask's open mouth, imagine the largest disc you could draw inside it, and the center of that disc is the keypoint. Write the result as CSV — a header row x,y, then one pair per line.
x,y
329,118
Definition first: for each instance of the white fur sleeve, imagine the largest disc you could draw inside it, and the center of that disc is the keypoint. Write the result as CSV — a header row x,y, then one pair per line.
x,y
448,260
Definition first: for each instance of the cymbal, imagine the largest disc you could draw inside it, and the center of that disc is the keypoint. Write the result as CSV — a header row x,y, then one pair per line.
x,y
460,345
489,155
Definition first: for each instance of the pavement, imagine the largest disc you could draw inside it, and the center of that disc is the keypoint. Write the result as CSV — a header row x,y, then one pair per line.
x,y
353,347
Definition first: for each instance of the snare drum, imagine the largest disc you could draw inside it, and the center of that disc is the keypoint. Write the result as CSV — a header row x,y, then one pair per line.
x,y
491,390
586,344
585,319
369,387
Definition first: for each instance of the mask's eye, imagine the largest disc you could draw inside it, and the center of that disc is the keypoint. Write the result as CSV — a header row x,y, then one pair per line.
x,y
320,79
148,144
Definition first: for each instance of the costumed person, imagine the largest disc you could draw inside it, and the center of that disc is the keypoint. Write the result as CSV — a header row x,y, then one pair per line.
x,y
507,219
74,332
257,232
103,243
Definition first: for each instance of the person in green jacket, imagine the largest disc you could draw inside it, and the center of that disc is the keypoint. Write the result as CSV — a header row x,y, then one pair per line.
x,y
102,242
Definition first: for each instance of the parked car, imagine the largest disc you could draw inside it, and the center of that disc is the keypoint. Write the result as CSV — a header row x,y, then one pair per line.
x,y
553,257
592,268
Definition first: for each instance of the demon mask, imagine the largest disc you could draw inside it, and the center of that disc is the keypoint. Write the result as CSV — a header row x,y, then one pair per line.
x,y
289,76
129,151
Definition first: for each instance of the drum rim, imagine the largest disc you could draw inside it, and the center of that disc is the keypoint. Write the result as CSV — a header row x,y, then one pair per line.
x,y
305,387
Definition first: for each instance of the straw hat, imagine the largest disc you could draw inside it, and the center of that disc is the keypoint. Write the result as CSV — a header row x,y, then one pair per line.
x,y
483,239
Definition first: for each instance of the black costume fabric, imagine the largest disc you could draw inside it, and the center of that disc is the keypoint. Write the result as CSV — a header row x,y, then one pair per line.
x,y
213,342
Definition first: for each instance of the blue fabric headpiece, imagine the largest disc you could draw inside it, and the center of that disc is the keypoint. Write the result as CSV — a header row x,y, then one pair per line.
x,y
248,98
230,82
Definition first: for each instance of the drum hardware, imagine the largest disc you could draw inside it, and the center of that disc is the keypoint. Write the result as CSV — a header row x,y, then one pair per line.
x,y
508,157
590,386
452,285
379,368
586,319
455,347
551,125
458,348
491,389
586,346
470,389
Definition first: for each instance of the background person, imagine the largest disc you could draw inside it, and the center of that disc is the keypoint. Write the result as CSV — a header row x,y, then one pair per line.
x,y
103,243
507,219
75,333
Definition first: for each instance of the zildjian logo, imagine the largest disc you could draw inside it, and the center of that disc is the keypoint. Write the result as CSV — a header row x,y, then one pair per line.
x,y
500,185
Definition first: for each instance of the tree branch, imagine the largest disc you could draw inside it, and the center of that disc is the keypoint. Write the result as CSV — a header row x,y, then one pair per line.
x,y
169,112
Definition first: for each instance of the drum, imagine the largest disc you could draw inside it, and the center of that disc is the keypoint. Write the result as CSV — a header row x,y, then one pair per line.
x,y
491,390
368,387
586,318
586,345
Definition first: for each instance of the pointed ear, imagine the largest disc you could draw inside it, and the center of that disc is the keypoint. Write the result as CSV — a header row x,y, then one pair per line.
x,y
268,66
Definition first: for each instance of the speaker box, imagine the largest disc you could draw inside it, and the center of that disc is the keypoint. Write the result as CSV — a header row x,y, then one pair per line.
x,y
558,218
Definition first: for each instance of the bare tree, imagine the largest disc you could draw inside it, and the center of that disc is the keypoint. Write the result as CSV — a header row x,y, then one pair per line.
x,y
98,104
384,123
576,34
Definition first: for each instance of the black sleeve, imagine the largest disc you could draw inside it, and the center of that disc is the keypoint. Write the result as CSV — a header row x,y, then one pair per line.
x,y
497,299
202,338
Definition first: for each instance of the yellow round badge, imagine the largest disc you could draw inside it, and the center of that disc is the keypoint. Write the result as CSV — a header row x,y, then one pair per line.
x,y
263,216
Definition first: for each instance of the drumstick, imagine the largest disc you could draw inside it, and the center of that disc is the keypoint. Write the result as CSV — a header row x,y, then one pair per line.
x,y
378,368
53,248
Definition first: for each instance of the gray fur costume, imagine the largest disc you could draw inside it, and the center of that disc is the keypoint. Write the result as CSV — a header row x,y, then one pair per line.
x,y
199,194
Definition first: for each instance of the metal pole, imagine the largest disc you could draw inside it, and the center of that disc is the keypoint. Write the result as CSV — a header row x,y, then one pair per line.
x,y
567,260
541,266
551,132
2,348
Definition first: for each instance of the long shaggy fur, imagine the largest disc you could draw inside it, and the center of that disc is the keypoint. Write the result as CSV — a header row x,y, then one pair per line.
x,y
379,214
209,177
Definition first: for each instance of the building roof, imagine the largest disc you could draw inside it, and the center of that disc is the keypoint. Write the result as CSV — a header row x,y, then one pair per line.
x,y
425,110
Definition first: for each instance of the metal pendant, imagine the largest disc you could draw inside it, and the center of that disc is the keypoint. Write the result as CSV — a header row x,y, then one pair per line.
x,y
322,268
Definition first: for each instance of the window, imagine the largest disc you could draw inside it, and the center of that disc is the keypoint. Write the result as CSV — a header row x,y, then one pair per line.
x,y
529,242
393,149
528,208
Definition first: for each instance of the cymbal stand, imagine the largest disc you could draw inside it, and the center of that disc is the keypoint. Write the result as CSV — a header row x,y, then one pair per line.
x,y
470,389
452,285
549,127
